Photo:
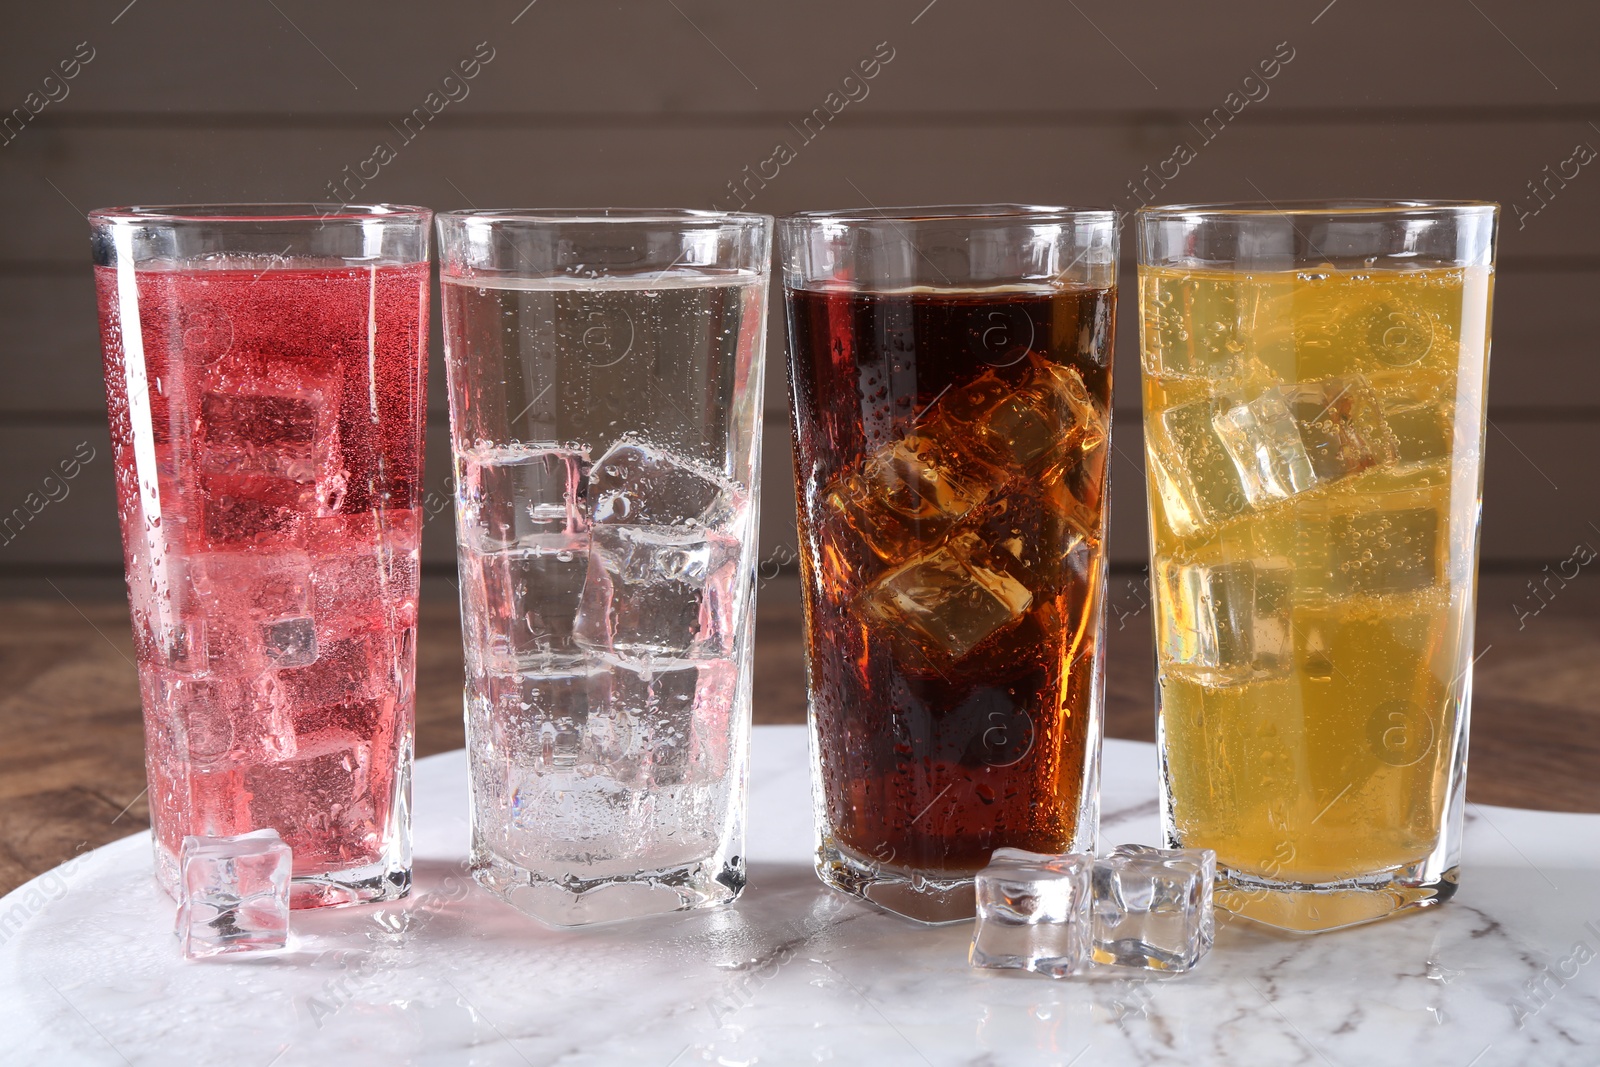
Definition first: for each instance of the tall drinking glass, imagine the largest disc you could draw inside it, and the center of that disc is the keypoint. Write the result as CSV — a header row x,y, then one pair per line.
x,y
605,408
264,376
1314,379
950,371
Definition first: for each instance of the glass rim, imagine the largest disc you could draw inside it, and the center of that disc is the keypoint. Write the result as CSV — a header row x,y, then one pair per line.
x,y
1354,207
602,215
262,212
999,212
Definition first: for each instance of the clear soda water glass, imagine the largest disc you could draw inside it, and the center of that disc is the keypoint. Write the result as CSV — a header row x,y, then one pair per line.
x,y
605,398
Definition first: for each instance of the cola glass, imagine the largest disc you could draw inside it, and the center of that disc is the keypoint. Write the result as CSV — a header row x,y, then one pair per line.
x,y
950,372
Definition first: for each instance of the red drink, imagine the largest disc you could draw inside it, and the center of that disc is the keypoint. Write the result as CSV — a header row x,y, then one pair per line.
x,y
267,428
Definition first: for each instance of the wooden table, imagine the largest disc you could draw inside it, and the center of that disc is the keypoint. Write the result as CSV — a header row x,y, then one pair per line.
x,y
72,773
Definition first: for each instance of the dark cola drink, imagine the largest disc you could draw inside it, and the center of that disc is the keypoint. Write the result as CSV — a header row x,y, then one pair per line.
x,y
951,466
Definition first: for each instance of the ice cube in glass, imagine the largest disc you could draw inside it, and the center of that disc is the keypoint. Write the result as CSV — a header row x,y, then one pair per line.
x,y
948,601
1227,623
518,493
522,602
1040,426
637,484
909,493
658,593
1387,551
1198,482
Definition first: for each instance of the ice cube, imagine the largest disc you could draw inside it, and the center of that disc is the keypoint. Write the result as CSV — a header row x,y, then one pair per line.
x,y
948,601
347,670
1290,438
1341,426
321,798
908,494
539,719
251,509
529,599
660,706
225,719
1152,907
380,573
1038,532
268,453
233,894
1195,476
659,593
291,642
1226,623
1423,432
204,709
265,586
1261,438
291,435
520,494
637,484
1194,326
1037,426
1387,550
679,719
184,646
1033,913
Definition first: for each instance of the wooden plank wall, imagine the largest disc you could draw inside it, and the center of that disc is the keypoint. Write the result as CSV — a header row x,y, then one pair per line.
x,y
667,102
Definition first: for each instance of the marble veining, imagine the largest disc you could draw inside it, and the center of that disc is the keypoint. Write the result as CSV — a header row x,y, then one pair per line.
x,y
1508,973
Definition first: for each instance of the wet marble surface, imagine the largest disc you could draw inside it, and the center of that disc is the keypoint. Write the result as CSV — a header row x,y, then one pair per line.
x,y
1507,973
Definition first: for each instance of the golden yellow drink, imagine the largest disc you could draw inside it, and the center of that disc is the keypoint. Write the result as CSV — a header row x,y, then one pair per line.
x,y
1313,442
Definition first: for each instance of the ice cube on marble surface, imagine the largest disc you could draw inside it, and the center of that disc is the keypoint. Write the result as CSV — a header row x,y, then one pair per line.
x,y
234,894
1033,913
1153,908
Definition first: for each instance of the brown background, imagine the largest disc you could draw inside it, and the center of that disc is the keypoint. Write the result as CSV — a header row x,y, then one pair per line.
x,y
665,102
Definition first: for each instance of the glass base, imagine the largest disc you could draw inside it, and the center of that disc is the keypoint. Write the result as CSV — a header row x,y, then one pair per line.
x,y
908,894
574,901
1313,908
367,884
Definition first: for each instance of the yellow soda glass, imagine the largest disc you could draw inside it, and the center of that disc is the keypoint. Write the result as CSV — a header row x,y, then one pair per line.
x,y
1314,380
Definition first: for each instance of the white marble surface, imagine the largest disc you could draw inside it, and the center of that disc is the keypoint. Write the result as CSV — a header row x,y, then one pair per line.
x,y
90,972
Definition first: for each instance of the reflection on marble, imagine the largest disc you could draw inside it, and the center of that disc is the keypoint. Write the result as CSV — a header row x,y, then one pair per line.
x,y
1507,973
